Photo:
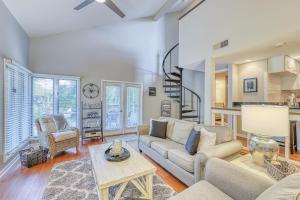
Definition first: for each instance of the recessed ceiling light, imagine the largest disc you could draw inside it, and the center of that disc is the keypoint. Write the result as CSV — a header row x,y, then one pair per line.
x,y
100,1
280,44
248,60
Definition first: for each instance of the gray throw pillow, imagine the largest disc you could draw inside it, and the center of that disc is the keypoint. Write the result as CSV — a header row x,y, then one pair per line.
x,y
158,129
192,142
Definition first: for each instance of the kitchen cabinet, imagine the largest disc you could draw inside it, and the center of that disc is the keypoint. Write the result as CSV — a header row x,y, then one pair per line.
x,y
283,65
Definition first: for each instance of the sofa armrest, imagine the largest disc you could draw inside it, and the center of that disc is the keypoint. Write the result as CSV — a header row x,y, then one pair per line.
x,y
238,183
143,130
219,151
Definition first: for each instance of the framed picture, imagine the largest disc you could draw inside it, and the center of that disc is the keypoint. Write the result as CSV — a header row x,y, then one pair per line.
x,y
250,85
152,91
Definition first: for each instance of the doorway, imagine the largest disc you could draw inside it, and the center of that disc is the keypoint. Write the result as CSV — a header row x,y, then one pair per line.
x,y
122,106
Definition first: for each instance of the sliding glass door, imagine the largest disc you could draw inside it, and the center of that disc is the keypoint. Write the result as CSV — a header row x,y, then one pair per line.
x,y
122,106
55,95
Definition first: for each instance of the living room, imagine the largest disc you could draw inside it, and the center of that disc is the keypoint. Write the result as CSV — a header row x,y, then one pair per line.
x,y
111,99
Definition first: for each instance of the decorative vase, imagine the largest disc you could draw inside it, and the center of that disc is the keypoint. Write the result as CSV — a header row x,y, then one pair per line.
x,y
261,148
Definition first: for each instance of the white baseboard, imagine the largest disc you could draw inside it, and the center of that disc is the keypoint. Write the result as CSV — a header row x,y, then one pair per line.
x,y
8,165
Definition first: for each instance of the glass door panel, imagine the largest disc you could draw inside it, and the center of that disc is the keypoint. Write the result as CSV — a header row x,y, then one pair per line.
x,y
133,106
112,106
42,98
67,100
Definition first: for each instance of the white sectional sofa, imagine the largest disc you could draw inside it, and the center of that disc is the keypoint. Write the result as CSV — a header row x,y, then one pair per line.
x,y
170,153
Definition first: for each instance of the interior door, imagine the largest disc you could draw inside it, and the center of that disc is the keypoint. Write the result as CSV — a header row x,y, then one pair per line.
x,y
133,101
112,106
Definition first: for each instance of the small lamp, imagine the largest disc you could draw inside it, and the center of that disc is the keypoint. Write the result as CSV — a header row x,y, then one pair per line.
x,y
264,122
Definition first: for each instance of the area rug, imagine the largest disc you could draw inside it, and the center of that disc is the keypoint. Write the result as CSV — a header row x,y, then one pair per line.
x,y
74,180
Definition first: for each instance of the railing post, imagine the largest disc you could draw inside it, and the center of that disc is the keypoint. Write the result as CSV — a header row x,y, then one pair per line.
x,y
180,94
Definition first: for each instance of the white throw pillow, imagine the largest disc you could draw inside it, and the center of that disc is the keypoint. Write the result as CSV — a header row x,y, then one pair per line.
x,y
170,126
181,131
207,139
48,125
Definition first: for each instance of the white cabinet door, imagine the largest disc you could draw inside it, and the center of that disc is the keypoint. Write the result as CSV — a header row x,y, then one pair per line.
x,y
276,64
291,65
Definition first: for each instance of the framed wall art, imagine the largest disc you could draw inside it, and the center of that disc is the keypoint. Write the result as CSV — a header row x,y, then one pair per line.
x,y
250,85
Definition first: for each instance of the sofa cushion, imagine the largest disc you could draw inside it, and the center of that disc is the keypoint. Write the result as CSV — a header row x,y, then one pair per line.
x,y
207,139
192,143
202,190
147,139
286,189
60,122
181,131
182,158
171,122
224,134
47,125
158,128
163,147
64,135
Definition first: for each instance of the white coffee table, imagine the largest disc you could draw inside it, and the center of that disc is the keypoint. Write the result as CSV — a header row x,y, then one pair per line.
x,y
135,169
246,162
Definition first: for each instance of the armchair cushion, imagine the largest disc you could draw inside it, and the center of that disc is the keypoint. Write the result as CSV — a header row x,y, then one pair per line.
x,y
182,158
286,189
64,135
47,125
202,190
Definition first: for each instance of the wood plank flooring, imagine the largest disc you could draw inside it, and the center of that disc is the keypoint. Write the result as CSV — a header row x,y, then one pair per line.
x,y
29,184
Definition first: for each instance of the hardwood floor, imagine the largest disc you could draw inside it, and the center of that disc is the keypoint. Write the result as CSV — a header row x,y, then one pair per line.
x,y
22,183
29,184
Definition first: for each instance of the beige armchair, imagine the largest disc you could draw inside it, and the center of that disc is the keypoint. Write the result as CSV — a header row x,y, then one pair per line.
x,y
56,134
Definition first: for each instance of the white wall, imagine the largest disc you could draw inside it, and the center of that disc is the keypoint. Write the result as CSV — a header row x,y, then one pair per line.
x,y
129,51
194,80
244,23
221,88
14,44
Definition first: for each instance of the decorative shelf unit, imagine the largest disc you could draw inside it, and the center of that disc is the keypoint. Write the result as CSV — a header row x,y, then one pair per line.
x,y
92,123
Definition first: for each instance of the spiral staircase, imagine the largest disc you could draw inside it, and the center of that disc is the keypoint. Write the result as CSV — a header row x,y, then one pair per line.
x,y
188,100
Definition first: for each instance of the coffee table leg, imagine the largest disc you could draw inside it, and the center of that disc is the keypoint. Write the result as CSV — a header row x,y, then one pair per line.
x,y
104,194
149,186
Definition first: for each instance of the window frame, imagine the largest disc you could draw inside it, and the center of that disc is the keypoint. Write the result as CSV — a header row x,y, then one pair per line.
x,y
56,79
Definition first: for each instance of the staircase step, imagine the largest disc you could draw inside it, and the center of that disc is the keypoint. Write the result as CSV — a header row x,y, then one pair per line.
x,y
189,116
174,97
175,74
172,91
171,86
187,111
172,80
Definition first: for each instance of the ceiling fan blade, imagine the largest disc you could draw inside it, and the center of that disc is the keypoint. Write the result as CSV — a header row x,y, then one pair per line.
x,y
84,4
114,8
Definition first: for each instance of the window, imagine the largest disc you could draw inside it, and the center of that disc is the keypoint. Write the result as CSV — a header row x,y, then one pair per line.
x,y
17,88
56,95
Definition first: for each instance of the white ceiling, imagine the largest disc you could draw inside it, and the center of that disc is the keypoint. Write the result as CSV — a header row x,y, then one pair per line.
x,y
46,17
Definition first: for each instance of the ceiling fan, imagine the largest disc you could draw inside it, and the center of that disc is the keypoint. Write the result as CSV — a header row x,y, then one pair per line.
x,y
108,3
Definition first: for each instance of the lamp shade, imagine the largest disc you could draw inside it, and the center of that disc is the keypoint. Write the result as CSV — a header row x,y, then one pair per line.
x,y
266,120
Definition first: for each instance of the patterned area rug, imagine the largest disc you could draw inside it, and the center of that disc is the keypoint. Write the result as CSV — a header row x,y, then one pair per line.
x,y
73,180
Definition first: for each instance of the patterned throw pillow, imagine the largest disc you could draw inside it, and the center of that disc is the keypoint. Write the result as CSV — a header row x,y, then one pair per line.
x,y
207,139
48,125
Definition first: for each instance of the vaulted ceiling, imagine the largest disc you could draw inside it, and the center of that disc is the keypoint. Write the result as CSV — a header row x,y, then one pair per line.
x,y
46,17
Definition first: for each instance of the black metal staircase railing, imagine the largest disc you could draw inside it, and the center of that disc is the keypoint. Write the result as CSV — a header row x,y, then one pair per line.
x,y
189,101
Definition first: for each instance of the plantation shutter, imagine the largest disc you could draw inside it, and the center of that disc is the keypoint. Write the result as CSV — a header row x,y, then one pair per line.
x,y
17,108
